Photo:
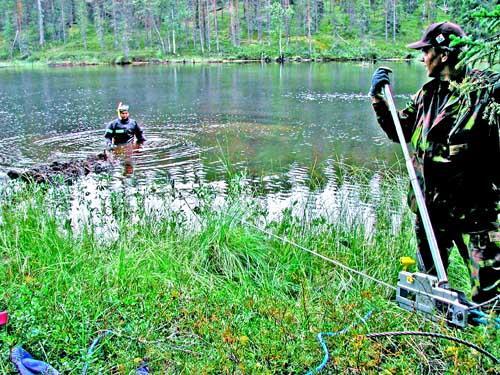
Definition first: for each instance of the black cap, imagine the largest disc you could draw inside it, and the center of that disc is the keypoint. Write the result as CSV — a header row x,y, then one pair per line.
x,y
438,35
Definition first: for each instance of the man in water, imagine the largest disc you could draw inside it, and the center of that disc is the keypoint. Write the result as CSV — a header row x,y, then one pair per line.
x,y
123,129
452,124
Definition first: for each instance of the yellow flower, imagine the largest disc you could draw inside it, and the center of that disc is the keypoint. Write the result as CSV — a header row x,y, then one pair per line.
x,y
244,340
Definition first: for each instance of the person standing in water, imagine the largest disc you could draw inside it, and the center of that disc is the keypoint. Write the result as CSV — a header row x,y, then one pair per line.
x,y
123,130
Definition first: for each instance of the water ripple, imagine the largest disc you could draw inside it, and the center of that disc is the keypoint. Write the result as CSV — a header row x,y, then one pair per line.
x,y
320,97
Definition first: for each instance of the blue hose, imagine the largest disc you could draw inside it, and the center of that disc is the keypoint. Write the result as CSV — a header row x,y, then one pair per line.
x,y
481,318
325,348
92,347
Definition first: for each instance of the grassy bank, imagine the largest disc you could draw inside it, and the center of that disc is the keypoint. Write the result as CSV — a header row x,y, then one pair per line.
x,y
323,49
213,295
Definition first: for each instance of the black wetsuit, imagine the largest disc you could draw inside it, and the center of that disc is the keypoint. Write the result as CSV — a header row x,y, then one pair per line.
x,y
121,131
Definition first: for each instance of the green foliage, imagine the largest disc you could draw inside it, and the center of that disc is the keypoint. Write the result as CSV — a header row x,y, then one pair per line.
x,y
482,50
339,30
8,31
213,294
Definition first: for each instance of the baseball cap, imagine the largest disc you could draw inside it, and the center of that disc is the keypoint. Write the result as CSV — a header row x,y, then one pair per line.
x,y
438,35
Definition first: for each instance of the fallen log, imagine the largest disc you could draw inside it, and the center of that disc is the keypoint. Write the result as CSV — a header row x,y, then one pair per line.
x,y
64,172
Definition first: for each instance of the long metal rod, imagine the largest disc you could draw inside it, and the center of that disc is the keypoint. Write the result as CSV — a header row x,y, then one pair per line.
x,y
424,214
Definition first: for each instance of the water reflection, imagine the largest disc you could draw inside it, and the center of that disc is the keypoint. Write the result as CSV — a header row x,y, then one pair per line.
x,y
262,118
344,201
282,127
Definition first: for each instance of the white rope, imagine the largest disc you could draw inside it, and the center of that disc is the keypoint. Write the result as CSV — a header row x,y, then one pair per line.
x,y
333,261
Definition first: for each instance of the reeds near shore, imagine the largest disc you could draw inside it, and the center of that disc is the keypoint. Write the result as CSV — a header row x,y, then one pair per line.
x,y
194,289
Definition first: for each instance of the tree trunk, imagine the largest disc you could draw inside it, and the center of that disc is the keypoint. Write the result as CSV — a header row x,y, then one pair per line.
x,y
237,21
157,30
246,7
19,28
286,5
114,15
126,28
280,48
394,20
308,12
82,21
200,24
316,16
269,22
99,23
53,20
206,14
173,33
427,11
169,42
40,23
234,24
63,22
72,12
386,12
195,20
216,27
231,22
259,19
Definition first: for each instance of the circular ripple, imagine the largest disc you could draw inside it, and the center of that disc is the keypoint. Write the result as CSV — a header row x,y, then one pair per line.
x,y
166,148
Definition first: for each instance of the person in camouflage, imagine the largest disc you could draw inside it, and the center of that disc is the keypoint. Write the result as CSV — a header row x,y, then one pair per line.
x,y
452,125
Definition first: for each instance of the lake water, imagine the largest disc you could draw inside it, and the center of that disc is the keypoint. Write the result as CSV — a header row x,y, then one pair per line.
x,y
264,118
278,124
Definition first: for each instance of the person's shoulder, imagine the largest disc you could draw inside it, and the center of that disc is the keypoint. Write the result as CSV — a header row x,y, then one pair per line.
x,y
427,87
113,122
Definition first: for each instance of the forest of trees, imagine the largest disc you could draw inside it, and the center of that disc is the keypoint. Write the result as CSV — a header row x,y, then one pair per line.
x,y
162,28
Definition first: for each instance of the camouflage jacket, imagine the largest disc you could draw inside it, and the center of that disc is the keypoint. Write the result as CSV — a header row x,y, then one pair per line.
x,y
453,132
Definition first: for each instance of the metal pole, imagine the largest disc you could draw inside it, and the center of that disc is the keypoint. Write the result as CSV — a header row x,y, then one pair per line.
x,y
424,214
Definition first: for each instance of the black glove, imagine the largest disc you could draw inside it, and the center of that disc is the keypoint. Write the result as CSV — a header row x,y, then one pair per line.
x,y
380,79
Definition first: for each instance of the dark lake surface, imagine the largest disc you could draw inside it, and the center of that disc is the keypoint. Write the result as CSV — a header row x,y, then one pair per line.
x,y
265,119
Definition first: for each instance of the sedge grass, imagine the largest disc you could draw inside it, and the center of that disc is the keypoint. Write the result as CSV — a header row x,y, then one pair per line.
x,y
221,298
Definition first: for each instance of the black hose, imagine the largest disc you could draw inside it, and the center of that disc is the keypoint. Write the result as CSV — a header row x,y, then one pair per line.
x,y
436,335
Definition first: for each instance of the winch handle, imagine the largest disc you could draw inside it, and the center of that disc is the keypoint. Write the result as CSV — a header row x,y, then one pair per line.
x,y
422,208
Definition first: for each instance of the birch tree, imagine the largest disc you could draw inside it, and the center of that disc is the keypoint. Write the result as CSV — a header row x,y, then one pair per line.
x,y
41,32
234,22
278,16
216,26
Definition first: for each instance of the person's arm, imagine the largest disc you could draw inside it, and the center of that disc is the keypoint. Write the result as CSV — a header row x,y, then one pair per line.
x,y
407,117
139,133
108,135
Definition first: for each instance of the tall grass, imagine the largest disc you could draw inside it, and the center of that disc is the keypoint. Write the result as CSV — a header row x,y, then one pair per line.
x,y
212,295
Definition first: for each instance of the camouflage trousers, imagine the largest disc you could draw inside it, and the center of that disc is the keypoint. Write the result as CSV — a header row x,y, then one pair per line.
x,y
480,251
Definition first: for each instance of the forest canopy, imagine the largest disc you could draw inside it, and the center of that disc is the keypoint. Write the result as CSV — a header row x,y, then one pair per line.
x,y
126,30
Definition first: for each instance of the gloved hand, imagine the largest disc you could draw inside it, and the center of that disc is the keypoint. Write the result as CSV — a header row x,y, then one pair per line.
x,y
379,79
110,146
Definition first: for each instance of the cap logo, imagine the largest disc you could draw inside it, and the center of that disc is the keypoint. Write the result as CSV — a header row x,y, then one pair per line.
x,y
440,38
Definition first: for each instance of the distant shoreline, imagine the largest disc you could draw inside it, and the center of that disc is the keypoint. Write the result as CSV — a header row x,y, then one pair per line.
x,y
191,61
